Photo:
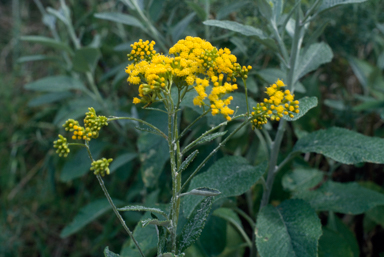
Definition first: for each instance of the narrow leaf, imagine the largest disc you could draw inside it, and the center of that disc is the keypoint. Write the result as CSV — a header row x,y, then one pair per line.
x,y
204,191
86,58
86,215
290,229
108,253
232,176
316,55
305,104
187,161
349,198
49,98
48,42
120,18
55,84
149,130
203,140
143,208
162,223
194,227
327,4
342,145
243,29
32,58
181,26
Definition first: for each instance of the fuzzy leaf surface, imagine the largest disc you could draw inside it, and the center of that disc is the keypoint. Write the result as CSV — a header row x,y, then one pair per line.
x,y
348,198
48,42
316,55
290,229
108,253
142,208
301,179
243,29
332,244
305,104
120,18
342,145
232,176
193,228
187,161
204,191
327,4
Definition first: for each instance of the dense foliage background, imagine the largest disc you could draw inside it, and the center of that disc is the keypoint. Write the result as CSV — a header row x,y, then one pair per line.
x,y
41,194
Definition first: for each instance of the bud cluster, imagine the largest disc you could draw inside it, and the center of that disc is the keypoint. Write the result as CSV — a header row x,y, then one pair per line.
x,y
93,123
62,146
101,167
141,51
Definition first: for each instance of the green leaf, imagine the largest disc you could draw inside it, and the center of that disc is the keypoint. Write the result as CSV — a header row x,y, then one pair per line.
x,y
87,214
181,26
198,10
32,58
162,223
213,240
148,130
55,84
348,236
327,4
204,191
305,104
121,160
187,161
203,140
143,208
108,253
316,55
302,178
290,229
232,217
147,239
194,226
85,59
120,18
361,69
232,176
46,41
49,98
243,29
332,244
230,8
376,214
349,198
342,145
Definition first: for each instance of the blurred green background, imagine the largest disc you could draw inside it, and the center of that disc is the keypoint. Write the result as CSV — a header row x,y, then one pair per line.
x,y
41,194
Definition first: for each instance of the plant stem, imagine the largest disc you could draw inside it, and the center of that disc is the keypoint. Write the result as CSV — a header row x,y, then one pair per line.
x,y
213,152
138,120
246,94
101,182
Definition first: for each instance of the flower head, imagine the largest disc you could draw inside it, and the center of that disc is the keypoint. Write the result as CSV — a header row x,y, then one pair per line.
x,y
101,167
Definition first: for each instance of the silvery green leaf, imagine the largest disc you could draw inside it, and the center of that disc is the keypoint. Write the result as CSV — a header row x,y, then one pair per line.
x,y
195,224
187,161
142,208
342,145
328,4
349,198
108,253
48,42
305,104
316,55
290,229
243,29
204,191
163,223
120,18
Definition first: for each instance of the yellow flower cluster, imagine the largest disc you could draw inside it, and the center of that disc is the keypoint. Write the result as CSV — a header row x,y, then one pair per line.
x,y
195,63
141,51
280,102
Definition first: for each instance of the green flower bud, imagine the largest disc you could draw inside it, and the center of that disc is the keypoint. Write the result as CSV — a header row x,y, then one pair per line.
x,y
62,146
101,167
